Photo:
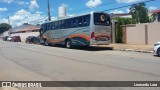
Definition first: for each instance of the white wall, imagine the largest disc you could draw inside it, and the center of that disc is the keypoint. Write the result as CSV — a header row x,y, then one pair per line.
x,y
6,33
136,35
153,33
142,34
25,35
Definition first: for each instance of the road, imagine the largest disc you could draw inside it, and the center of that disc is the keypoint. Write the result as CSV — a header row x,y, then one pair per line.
x,y
28,62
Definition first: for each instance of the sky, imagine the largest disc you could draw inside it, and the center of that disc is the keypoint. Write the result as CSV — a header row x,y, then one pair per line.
x,y
35,11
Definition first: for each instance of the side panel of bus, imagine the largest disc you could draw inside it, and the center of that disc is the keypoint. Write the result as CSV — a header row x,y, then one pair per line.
x,y
77,30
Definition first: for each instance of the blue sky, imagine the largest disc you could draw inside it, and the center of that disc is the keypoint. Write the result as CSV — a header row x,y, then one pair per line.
x,y
35,11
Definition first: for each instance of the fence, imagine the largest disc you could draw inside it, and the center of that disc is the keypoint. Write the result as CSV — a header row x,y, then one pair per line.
x,y
141,34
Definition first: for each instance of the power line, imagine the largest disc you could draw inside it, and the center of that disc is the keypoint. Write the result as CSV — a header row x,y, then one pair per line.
x,y
107,9
116,7
128,5
96,7
111,8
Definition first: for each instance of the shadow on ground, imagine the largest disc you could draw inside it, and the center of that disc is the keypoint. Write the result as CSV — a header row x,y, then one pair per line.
x,y
156,56
93,48
86,48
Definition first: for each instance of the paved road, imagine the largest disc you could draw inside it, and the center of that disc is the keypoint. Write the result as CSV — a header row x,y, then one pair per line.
x,y
27,62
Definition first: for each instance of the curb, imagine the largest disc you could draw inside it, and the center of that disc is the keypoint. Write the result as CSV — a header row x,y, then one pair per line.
x,y
132,50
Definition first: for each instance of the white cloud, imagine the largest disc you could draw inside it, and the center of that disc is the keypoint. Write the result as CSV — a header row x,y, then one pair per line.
x,y
20,2
3,9
152,8
117,12
93,3
27,3
3,20
128,1
7,1
23,16
33,5
127,10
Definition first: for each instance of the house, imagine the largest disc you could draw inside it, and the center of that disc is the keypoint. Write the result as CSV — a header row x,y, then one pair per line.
x,y
158,15
121,15
24,31
6,33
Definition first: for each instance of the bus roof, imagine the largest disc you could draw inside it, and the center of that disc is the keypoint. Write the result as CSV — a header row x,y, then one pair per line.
x,y
68,17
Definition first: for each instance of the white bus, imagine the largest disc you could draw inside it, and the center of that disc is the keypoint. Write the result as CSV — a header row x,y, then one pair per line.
x,y
83,30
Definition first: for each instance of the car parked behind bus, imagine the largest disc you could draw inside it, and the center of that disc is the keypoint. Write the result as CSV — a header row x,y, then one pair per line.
x,y
5,38
32,40
16,39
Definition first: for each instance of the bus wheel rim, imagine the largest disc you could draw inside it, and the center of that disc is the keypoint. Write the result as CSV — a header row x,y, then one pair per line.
x,y
68,44
46,42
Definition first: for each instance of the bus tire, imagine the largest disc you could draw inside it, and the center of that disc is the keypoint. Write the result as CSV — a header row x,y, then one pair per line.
x,y
68,43
158,52
46,43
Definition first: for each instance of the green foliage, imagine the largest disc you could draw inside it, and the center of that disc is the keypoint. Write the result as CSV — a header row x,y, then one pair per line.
x,y
139,13
4,27
153,17
122,21
38,25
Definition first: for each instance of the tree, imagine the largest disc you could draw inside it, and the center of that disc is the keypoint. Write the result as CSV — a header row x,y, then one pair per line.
x,y
38,25
139,13
153,17
122,21
4,27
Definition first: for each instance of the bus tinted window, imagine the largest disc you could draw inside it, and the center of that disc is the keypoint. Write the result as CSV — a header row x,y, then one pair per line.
x,y
80,22
56,25
101,19
50,26
74,22
53,25
68,23
62,24
86,20
43,27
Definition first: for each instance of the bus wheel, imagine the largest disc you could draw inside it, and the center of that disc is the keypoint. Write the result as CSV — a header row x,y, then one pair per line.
x,y
68,44
158,52
46,42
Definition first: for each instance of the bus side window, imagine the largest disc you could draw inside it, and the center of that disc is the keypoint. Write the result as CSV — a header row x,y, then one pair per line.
x,y
86,20
62,24
53,26
56,25
50,26
80,24
68,23
74,22
45,27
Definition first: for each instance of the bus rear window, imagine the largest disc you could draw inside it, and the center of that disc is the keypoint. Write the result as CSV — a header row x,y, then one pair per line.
x,y
101,19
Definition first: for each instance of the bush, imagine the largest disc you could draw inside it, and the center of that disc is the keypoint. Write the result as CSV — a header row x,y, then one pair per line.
x,y
122,21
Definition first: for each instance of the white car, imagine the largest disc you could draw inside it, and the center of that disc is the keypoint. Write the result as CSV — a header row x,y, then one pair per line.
x,y
157,48
9,38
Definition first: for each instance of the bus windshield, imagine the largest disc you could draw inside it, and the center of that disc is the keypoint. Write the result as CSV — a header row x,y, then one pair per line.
x,y
101,19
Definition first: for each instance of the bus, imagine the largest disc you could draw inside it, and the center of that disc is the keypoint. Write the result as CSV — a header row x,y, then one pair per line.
x,y
82,30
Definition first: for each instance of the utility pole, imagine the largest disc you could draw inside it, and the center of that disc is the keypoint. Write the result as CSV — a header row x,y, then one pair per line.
x,y
8,20
49,16
9,31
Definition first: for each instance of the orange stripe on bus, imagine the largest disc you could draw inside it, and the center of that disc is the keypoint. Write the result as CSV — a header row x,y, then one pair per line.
x,y
80,35
72,36
102,35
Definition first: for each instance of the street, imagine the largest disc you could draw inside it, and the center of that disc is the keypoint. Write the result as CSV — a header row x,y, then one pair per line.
x,y
28,62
